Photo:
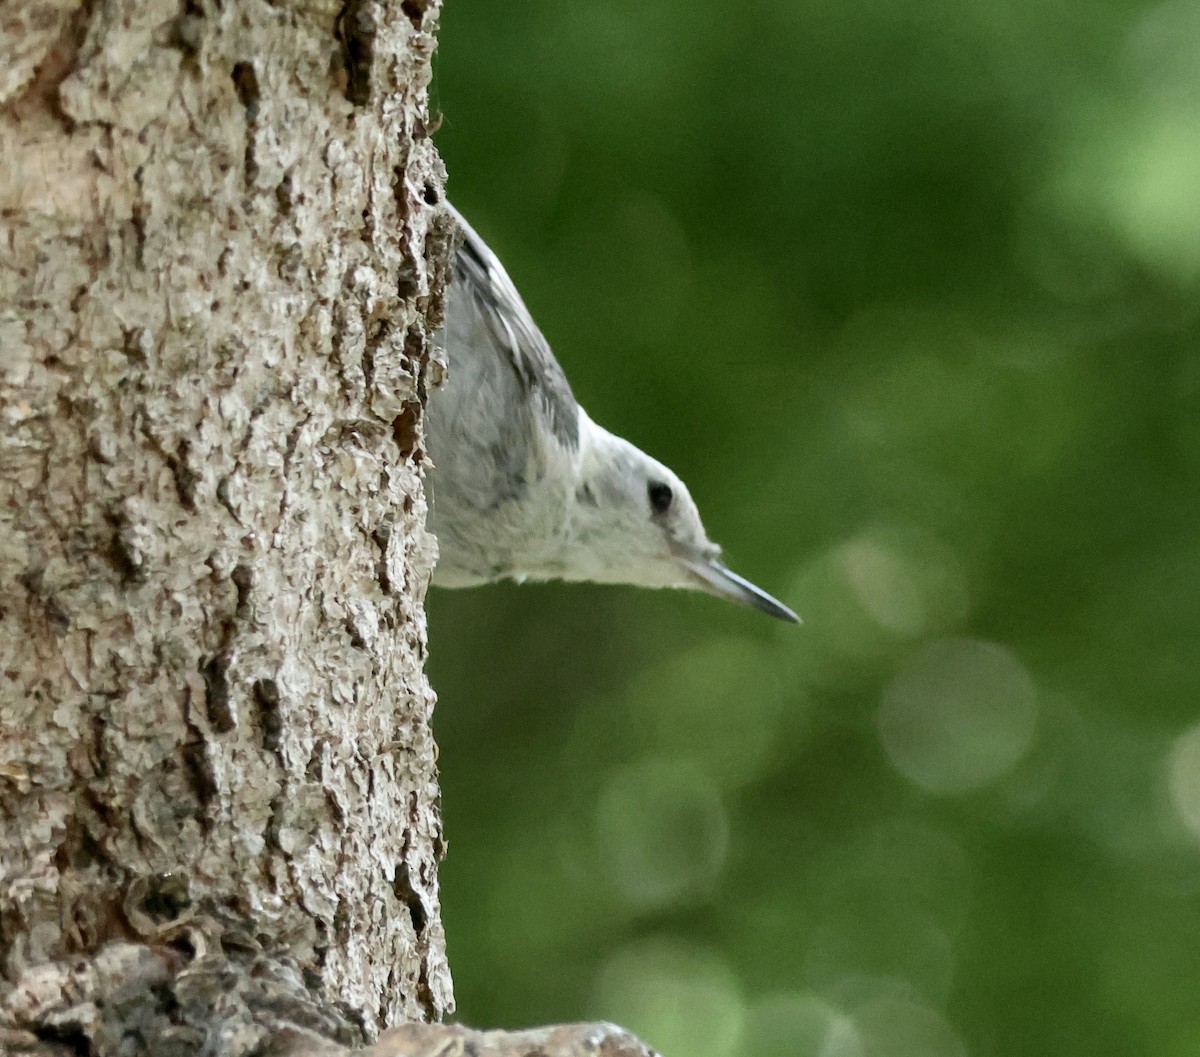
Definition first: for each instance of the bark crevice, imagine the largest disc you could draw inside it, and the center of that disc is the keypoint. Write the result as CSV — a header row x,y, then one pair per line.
x,y
215,740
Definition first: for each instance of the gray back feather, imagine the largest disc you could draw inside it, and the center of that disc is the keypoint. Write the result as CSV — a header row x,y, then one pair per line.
x,y
499,426
514,333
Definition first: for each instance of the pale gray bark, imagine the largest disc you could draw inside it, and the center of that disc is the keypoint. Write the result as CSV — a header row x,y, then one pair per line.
x,y
220,259
436,1040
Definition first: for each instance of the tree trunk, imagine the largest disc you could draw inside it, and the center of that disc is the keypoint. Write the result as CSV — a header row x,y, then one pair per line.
x,y
220,269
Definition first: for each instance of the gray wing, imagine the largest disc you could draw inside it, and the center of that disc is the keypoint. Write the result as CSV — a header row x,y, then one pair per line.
x,y
505,397
478,274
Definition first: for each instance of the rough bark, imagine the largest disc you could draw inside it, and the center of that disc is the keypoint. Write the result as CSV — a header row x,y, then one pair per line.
x,y
559,1040
221,264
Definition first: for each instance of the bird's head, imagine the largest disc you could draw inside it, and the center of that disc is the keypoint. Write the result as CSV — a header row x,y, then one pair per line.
x,y
633,521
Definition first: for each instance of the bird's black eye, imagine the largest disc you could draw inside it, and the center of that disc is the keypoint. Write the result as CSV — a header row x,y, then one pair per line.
x,y
660,495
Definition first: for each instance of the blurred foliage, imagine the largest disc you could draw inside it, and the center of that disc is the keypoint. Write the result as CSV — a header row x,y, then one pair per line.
x,y
908,294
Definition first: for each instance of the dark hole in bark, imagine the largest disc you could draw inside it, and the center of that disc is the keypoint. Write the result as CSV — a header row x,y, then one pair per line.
x,y
356,32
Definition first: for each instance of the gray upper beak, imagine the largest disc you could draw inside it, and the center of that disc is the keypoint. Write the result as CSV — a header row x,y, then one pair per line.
x,y
725,583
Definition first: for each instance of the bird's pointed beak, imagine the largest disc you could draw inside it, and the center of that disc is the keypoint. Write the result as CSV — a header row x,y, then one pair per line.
x,y
717,580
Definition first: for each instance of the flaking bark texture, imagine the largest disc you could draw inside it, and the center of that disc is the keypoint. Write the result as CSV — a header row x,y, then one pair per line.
x,y
221,260
453,1040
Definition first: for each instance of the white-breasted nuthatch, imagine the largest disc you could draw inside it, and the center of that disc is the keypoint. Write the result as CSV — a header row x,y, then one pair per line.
x,y
525,485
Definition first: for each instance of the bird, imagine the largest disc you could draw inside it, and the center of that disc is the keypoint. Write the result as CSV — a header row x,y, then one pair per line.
x,y
524,485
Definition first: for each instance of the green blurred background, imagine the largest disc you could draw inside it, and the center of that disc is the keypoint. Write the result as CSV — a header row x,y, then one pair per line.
x,y
907,293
